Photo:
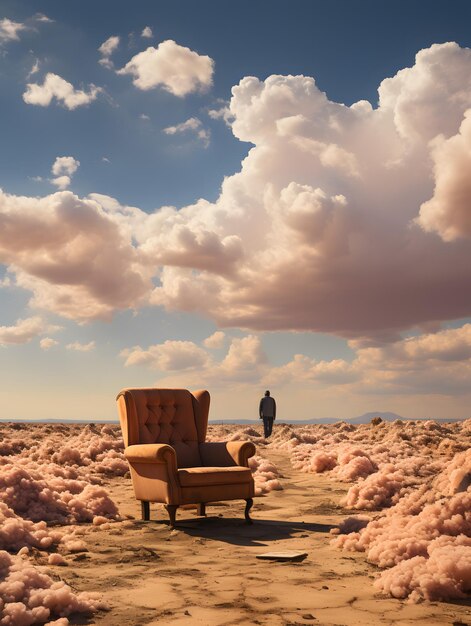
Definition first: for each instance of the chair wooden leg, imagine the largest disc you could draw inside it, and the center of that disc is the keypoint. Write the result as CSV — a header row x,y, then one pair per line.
x,y
201,509
172,511
145,510
248,506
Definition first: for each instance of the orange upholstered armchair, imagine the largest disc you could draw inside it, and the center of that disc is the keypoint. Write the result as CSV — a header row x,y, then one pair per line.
x,y
164,433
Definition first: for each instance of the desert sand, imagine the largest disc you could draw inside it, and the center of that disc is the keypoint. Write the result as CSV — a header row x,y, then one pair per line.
x,y
106,566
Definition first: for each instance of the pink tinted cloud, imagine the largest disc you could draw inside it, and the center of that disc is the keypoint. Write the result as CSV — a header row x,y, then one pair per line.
x,y
325,204
71,254
342,219
438,363
23,331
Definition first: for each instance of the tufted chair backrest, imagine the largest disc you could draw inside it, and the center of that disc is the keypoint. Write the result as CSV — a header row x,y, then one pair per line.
x,y
173,416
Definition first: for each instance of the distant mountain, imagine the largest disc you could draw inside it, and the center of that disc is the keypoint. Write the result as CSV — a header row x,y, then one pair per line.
x,y
366,418
361,419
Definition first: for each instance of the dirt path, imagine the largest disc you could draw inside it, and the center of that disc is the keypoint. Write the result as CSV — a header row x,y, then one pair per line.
x,y
206,571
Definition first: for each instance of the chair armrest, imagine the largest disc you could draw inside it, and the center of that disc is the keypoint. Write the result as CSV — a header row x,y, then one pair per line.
x,y
241,451
151,453
227,453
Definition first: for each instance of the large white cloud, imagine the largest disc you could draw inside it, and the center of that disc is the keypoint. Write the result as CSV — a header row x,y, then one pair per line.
x,y
448,212
326,227
325,205
55,86
72,254
176,68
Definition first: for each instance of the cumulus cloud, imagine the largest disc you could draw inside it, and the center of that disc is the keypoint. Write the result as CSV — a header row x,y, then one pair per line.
x,y
55,86
147,32
109,46
47,343
432,363
9,30
63,168
106,50
168,356
75,256
215,341
61,182
244,362
175,68
325,204
330,225
438,363
22,332
448,212
81,347
193,124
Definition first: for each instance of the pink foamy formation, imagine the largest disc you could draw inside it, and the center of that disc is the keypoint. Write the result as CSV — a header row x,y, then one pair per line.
x,y
50,474
221,432
265,475
445,573
30,596
413,479
55,475
16,532
417,477
56,559
423,492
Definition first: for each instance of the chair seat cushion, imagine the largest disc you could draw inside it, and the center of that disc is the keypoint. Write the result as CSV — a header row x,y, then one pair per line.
x,y
205,476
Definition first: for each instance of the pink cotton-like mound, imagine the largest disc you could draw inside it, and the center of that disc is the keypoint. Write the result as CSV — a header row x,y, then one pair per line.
x,y
416,476
413,478
445,574
56,559
322,461
56,474
265,475
50,474
30,596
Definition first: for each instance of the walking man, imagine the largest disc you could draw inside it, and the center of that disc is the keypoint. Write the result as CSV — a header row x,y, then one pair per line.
x,y
267,411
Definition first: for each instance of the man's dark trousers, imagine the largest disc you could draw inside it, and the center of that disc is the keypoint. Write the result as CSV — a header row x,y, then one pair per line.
x,y
267,426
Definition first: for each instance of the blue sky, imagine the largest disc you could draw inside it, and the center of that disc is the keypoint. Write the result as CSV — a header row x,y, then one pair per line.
x,y
336,236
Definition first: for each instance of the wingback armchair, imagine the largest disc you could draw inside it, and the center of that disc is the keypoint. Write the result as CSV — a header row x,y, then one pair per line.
x,y
164,433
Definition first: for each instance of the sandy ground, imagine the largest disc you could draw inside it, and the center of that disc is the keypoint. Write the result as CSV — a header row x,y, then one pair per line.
x,y
206,571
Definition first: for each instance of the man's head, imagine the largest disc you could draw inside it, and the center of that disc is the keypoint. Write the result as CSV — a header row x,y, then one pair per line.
x,y
267,393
